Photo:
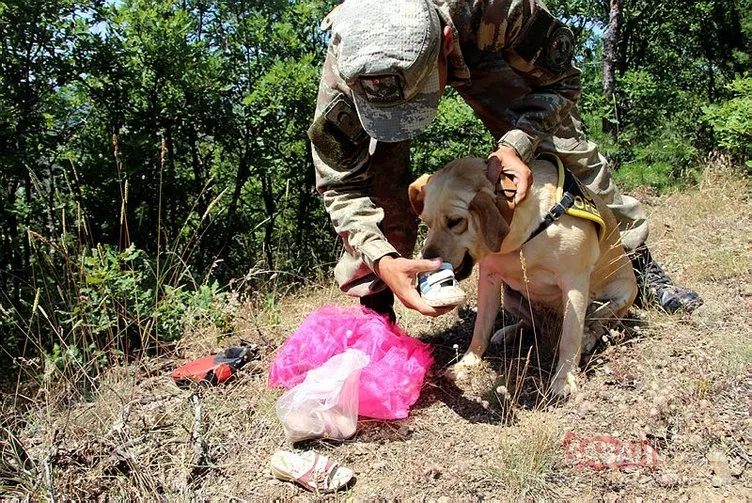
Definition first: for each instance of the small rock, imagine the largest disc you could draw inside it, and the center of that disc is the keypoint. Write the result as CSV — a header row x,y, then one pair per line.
x,y
668,480
584,409
378,465
432,473
717,481
721,469
660,400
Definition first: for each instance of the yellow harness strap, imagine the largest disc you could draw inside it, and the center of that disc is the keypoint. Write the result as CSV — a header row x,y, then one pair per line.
x,y
572,198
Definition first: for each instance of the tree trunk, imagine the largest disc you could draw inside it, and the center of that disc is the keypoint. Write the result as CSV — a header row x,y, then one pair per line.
x,y
306,194
198,170
171,186
610,62
242,175
270,206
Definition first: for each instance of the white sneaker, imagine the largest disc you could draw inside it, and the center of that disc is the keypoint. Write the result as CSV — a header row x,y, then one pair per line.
x,y
440,288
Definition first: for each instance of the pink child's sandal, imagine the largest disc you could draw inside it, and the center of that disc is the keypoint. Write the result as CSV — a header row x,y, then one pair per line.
x,y
311,470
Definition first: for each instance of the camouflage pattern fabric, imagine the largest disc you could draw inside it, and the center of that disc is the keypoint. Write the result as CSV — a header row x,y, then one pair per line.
x,y
515,87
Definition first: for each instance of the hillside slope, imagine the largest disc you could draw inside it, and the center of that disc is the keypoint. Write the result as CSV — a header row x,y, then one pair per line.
x,y
681,385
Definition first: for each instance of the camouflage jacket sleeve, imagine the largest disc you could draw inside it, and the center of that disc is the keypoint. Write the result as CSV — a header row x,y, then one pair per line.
x,y
343,169
539,48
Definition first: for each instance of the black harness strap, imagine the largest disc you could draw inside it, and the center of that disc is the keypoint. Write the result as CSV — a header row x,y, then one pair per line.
x,y
570,189
553,214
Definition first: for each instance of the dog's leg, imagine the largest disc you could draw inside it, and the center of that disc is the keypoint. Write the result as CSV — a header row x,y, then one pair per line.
x,y
612,305
489,299
575,298
614,302
519,307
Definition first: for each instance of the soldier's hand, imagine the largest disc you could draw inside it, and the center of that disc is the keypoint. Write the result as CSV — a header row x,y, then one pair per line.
x,y
400,275
506,161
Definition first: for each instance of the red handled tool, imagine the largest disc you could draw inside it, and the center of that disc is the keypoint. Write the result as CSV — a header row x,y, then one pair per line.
x,y
214,369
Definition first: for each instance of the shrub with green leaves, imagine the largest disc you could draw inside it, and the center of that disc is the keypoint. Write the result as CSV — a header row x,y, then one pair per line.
x,y
97,304
119,296
732,120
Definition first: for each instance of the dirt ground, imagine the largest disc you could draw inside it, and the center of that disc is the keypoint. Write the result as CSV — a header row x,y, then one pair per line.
x,y
671,393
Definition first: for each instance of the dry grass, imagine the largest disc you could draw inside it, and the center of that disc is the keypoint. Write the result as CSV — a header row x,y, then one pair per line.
x,y
529,452
682,383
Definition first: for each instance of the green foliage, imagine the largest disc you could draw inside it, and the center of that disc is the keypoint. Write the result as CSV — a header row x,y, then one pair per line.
x,y
271,306
667,162
732,120
119,295
107,305
180,125
675,60
177,124
456,132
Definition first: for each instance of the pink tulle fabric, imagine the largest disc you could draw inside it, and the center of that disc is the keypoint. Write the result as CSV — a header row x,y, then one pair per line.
x,y
391,382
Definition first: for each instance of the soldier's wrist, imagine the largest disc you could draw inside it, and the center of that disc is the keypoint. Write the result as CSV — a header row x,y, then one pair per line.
x,y
520,142
384,260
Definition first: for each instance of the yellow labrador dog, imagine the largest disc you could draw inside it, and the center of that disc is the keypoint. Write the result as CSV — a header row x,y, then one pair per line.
x,y
572,266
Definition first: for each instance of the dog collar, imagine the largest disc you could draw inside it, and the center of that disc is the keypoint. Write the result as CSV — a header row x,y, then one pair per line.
x,y
573,199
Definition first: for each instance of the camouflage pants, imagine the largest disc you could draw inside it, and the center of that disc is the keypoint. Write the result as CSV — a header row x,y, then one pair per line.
x,y
391,168
390,164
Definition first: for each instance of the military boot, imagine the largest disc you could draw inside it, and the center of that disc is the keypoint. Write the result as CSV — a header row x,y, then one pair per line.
x,y
657,288
382,302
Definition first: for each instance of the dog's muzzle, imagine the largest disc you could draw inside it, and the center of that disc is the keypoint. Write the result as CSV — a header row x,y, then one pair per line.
x,y
465,268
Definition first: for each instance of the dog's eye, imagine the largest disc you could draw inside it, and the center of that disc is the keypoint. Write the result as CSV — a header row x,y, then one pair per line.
x,y
455,223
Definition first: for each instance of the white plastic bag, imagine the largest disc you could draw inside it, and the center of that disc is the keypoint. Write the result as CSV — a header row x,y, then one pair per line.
x,y
325,404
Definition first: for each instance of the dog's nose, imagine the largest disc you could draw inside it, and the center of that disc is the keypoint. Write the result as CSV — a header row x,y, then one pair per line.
x,y
430,253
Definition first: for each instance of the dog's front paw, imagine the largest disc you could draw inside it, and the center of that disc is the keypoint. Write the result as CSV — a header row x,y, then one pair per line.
x,y
564,385
460,369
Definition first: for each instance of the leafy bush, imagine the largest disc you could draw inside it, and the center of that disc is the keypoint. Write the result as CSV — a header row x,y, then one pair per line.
x,y
118,294
668,161
732,120
97,304
455,132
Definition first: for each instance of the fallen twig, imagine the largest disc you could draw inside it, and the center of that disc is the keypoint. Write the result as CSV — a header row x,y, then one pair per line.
x,y
119,425
198,465
48,465
122,454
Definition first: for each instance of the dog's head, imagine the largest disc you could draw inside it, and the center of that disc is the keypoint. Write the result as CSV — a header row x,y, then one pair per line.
x,y
459,207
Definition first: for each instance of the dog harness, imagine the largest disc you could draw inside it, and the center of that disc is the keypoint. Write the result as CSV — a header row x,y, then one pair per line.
x,y
574,199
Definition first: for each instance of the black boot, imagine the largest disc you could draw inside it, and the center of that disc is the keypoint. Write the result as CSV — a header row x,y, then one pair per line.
x,y
657,288
382,302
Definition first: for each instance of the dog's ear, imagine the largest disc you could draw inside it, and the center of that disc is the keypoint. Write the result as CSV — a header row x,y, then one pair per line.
x,y
417,193
492,225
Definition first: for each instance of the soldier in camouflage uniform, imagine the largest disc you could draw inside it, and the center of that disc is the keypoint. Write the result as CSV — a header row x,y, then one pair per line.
x,y
385,70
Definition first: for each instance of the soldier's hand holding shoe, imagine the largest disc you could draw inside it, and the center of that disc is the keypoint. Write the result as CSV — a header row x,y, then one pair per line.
x,y
400,275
